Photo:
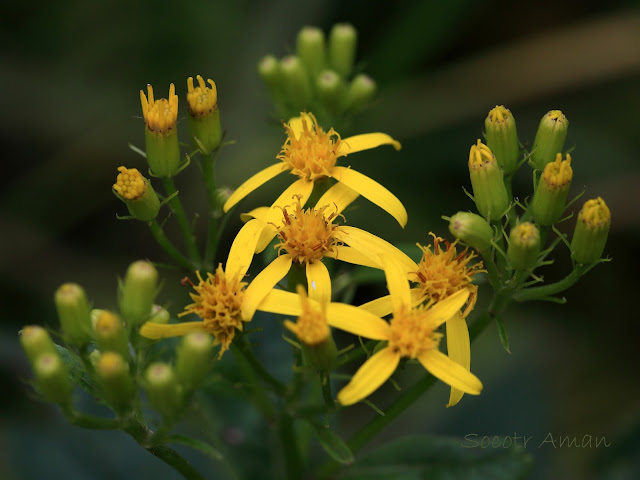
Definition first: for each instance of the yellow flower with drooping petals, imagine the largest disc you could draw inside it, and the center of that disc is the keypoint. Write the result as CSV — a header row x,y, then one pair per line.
x,y
311,154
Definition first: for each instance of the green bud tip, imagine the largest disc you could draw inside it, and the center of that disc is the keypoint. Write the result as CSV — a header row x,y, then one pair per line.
x,y
524,246
489,191
502,137
137,193
591,232
361,91
52,378
73,312
35,341
138,291
204,116
471,229
549,200
550,138
194,359
310,48
296,82
342,48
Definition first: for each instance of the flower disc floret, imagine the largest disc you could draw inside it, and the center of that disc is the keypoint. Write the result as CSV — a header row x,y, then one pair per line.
x,y
311,327
201,100
559,173
307,235
411,334
217,302
314,153
161,115
595,213
130,183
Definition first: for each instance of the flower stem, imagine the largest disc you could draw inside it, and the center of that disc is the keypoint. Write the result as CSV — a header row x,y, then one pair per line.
x,y
289,445
540,293
168,247
209,174
176,207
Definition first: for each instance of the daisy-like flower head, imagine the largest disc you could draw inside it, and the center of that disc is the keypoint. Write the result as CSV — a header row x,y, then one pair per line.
x,y
161,115
311,154
443,271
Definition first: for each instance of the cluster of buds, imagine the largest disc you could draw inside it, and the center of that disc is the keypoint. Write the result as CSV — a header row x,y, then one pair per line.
x,y
319,77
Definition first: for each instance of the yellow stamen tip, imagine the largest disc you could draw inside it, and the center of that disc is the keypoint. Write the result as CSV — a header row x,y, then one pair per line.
x,y
161,115
480,155
558,173
201,100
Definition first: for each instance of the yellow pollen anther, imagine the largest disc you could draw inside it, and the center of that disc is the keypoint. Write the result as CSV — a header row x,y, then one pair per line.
x,y
410,333
161,115
481,156
201,100
526,234
499,114
306,235
595,213
217,302
130,184
558,174
311,328
314,153
443,272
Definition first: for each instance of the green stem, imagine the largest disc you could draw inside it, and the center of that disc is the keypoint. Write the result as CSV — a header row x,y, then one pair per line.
x,y
289,445
259,396
168,247
539,293
89,421
209,174
176,207
492,270
325,381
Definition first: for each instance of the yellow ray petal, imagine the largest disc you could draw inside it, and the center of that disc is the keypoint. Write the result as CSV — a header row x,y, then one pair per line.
x,y
352,255
373,373
157,331
372,191
338,196
459,350
372,246
259,213
283,302
357,321
450,372
263,176
295,123
263,283
318,282
447,308
383,306
265,237
397,284
243,248
366,141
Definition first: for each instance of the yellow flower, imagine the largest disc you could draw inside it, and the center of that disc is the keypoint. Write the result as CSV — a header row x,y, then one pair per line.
x,y
311,153
201,100
220,298
161,115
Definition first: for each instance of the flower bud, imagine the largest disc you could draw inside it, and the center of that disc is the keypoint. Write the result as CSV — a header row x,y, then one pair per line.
x,y
110,334
52,378
550,197
161,133
329,87
489,191
118,388
137,193
524,246
295,82
204,116
310,48
35,341
269,71
159,314
74,314
592,229
137,292
194,359
550,138
361,92
502,138
165,394
342,48
471,229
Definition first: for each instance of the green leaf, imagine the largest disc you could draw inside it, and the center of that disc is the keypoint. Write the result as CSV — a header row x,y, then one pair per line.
x,y
335,447
437,458
77,372
502,333
196,445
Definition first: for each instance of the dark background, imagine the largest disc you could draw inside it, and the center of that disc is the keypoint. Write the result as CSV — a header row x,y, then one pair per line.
x,y
70,72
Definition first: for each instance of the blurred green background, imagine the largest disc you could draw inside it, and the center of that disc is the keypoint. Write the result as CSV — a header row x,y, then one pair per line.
x,y
70,72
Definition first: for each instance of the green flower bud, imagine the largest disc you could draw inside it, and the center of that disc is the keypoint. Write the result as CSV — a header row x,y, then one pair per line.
x,y
329,87
137,193
161,133
74,314
471,229
204,116
361,92
194,359
165,394
342,48
592,229
118,388
52,378
524,246
137,292
489,191
35,341
110,334
502,138
310,48
159,315
295,82
550,138
269,71
550,197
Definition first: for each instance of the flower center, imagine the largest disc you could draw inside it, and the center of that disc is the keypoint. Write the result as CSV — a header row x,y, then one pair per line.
x,y
595,213
217,301
311,328
481,156
201,100
558,174
160,115
306,235
130,183
314,153
443,272
410,334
